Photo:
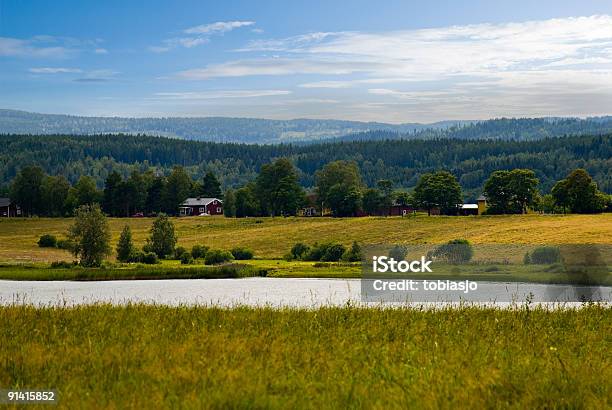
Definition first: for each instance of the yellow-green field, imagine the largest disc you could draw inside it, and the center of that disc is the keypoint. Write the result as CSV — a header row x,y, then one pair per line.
x,y
145,357
273,237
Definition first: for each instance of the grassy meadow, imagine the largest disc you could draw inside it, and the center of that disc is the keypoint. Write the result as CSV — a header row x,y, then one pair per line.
x,y
272,237
152,357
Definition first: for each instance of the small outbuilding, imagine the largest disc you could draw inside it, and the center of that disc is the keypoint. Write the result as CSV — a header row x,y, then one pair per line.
x,y
8,208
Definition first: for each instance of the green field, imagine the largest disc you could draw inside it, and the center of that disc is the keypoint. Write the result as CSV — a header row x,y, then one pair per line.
x,y
152,357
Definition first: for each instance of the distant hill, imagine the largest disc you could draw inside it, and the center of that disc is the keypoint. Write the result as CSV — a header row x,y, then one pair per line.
x,y
215,129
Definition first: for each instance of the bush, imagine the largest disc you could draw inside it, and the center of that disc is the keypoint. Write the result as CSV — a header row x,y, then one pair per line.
x,y
354,254
147,248
455,251
47,241
61,265
316,252
186,258
398,252
333,253
242,253
150,258
298,251
137,256
64,244
199,251
125,247
545,255
527,259
179,251
216,256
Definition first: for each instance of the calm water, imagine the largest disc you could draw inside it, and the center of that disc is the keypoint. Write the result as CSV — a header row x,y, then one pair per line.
x,y
231,292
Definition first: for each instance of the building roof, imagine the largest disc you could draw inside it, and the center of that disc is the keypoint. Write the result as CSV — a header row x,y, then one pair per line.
x,y
199,201
5,202
469,206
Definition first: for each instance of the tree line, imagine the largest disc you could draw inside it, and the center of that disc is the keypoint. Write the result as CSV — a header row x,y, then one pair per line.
x,y
276,190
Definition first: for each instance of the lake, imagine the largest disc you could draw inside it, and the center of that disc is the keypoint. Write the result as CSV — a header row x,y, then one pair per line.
x,y
275,292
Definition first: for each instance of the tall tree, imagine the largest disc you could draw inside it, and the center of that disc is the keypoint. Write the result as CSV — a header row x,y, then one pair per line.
x,y
86,191
110,198
373,201
229,204
155,195
438,190
125,247
26,190
163,236
178,187
246,202
511,192
579,193
386,188
54,192
90,235
339,187
211,187
278,189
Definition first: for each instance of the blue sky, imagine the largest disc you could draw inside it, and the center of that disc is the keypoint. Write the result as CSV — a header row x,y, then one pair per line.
x,y
404,61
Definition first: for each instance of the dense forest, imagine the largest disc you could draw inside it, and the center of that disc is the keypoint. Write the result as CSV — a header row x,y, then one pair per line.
x,y
400,161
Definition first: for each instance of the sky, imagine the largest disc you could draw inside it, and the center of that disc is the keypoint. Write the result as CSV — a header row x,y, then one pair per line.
x,y
391,61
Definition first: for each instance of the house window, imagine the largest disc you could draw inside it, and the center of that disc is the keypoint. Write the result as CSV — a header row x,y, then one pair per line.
x,y
202,209
218,209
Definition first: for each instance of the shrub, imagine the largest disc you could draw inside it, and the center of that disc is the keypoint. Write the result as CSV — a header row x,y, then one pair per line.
x,y
179,251
333,253
47,241
150,258
298,251
242,253
398,252
216,256
316,252
545,255
147,248
527,259
354,254
61,265
186,258
64,244
199,251
455,251
137,256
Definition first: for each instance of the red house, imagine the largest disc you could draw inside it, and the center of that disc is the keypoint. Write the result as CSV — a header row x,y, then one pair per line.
x,y
8,208
201,206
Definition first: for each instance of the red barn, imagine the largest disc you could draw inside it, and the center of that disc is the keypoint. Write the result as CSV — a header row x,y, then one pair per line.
x,y
201,206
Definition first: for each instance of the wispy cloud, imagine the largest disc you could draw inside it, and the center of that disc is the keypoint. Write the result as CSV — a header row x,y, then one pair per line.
x,y
14,47
97,76
101,51
198,35
276,66
215,94
54,70
218,27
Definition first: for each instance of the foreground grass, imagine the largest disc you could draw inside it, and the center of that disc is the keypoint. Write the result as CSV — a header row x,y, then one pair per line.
x,y
273,237
151,357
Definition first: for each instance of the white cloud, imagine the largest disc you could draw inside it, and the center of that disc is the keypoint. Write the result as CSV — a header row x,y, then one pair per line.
x,y
218,27
326,84
215,94
14,47
275,66
54,70
101,51
199,35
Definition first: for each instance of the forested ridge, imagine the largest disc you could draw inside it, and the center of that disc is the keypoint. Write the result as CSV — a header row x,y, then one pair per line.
x,y
401,161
